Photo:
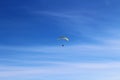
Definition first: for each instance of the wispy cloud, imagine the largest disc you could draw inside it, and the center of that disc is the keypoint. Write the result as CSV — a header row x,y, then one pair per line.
x,y
108,45
69,16
63,68
54,14
88,23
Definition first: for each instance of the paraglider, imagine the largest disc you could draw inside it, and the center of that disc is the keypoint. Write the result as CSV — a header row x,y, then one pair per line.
x,y
63,38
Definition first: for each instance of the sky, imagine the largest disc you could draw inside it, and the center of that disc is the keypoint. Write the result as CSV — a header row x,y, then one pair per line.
x,y
29,49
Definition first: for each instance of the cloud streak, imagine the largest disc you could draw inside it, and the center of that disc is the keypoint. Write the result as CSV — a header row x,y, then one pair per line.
x,y
63,68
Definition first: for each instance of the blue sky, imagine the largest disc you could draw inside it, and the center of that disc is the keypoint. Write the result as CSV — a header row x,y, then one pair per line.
x,y
29,49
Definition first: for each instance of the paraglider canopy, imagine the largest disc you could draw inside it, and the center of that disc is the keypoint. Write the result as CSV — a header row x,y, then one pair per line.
x,y
63,38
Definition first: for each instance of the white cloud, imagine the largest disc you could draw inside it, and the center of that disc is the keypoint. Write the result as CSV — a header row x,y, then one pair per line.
x,y
109,46
54,14
64,68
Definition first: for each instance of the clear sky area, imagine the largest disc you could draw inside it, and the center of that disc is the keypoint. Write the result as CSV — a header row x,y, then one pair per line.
x,y
30,49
